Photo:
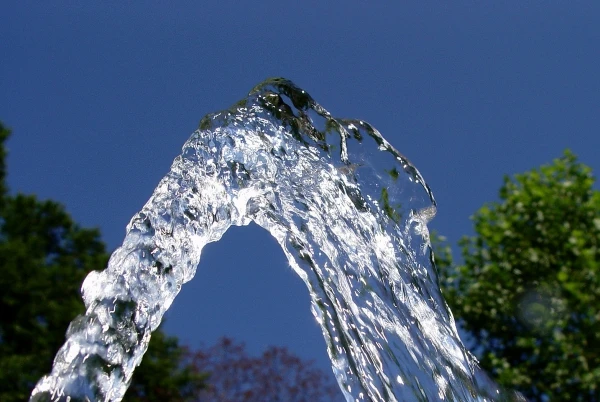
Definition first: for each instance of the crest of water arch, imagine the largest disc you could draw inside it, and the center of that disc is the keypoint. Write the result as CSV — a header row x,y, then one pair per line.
x,y
349,211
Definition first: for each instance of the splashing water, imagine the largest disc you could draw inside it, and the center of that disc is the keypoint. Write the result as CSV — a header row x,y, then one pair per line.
x,y
349,211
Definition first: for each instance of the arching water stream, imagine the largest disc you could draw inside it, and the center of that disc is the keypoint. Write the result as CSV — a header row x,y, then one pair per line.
x,y
349,211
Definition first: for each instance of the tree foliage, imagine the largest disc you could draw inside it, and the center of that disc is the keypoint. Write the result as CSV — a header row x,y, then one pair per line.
x,y
44,257
528,292
277,375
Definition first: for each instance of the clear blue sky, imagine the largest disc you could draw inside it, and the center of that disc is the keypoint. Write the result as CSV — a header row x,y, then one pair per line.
x,y
102,95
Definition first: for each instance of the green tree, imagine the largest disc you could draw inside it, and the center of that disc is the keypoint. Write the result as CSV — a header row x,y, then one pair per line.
x,y
528,292
44,256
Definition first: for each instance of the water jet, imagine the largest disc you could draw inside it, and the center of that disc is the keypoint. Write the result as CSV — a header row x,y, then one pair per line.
x,y
350,213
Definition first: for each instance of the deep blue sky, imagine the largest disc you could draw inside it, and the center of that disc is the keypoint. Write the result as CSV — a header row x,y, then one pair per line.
x,y
101,97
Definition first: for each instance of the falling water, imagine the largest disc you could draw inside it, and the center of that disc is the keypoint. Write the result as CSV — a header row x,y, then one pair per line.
x,y
350,213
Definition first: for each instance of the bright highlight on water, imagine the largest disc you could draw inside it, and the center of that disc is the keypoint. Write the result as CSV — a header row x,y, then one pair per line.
x,y
349,211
